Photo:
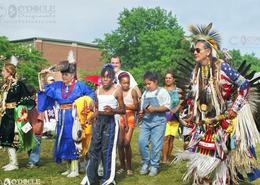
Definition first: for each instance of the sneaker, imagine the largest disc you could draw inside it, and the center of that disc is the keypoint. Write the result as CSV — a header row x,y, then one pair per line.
x,y
6,166
11,167
73,174
84,180
67,172
113,183
120,171
31,165
153,171
129,172
144,170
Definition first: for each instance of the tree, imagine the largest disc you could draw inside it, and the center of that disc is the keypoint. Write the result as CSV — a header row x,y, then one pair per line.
x,y
237,59
146,39
151,39
30,60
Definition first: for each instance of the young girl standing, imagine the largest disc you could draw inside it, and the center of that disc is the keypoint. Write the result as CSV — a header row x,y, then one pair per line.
x,y
172,125
105,129
127,124
155,102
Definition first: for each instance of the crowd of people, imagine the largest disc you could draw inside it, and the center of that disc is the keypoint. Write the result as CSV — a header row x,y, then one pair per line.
x,y
94,126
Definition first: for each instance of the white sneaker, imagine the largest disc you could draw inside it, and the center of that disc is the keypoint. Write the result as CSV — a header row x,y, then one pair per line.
x,y
67,172
73,174
11,167
84,180
5,166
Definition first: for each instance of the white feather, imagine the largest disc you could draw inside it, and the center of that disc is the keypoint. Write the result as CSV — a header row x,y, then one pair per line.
x,y
14,60
71,57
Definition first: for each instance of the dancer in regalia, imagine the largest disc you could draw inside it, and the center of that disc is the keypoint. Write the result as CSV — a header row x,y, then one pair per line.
x,y
221,105
65,93
15,101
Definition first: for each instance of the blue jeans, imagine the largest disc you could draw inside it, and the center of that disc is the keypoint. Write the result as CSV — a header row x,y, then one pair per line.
x,y
34,155
151,132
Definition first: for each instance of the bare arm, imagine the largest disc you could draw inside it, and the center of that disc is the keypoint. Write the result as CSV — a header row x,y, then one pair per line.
x,y
134,106
95,111
139,93
121,106
157,109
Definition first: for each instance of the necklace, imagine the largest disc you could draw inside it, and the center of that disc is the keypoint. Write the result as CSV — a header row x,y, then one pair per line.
x,y
70,90
205,74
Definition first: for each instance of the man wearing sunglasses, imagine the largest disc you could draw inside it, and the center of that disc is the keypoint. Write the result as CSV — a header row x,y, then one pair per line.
x,y
222,119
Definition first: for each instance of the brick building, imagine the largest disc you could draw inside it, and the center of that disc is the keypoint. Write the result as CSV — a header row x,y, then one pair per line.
x,y
87,55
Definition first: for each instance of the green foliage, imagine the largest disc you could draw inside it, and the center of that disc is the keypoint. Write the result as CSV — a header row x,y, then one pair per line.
x,y
237,59
30,60
151,39
146,39
90,84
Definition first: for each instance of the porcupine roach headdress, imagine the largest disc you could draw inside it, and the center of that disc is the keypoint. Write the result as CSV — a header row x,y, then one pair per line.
x,y
205,33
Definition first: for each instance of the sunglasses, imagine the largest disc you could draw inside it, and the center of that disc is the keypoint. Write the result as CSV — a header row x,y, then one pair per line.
x,y
198,50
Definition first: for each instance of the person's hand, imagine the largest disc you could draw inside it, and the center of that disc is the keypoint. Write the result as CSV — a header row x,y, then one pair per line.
x,y
45,71
108,109
150,109
231,114
181,101
188,120
91,106
92,119
141,114
174,110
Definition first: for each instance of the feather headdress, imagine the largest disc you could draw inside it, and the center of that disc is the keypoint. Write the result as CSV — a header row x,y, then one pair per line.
x,y
71,57
69,65
205,33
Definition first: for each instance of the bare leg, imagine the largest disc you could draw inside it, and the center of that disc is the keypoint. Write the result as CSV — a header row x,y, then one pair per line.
x,y
128,150
165,150
121,151
171,139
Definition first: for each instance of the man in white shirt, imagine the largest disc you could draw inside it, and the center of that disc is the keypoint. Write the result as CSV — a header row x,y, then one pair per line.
x,y
115,61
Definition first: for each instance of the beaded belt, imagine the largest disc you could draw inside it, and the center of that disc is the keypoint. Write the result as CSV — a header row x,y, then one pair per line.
x,y
11,105
66,106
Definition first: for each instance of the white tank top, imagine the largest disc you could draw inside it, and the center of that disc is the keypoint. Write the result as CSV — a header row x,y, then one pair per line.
x,y
128,99
106,100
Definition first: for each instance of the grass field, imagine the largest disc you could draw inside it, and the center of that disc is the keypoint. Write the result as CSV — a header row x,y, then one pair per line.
x,y
49,172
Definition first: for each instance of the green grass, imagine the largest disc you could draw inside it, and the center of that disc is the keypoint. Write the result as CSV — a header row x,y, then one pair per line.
x,y
49,172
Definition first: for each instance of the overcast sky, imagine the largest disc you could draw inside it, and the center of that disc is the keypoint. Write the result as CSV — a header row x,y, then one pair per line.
x,y
238,21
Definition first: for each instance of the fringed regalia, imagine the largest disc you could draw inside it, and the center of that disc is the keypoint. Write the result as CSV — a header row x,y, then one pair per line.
x,y
220,149
15,101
